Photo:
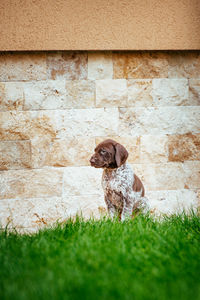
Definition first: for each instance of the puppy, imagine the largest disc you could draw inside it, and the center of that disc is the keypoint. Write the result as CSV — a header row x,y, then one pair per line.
x,y
123,190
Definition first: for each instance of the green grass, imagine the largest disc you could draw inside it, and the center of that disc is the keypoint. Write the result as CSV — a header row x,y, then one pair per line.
x,y
137,259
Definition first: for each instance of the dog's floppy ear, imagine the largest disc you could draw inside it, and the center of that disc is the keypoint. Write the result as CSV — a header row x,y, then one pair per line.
x,y
121,154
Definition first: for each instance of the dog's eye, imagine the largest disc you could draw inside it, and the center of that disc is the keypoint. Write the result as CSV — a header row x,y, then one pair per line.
x,y
102,151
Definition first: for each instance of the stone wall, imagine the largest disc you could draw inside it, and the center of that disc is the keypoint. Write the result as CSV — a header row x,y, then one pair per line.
x,y
56,106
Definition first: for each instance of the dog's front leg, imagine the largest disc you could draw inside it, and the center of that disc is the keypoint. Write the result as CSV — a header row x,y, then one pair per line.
x,y
111,208
127,209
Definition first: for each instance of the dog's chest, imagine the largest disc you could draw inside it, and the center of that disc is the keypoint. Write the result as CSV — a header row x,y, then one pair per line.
x,y
119,180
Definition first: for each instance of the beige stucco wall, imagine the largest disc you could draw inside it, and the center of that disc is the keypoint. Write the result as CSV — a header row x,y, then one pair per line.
x,y
56,106
99,24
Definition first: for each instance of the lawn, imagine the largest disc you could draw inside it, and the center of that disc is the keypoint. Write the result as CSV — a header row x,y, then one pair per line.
x,y
138,259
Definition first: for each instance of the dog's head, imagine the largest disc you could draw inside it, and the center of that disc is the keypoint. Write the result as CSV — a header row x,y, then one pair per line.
x,y
109,154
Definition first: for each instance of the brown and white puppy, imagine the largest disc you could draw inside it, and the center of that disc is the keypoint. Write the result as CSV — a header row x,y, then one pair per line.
x,y
123,190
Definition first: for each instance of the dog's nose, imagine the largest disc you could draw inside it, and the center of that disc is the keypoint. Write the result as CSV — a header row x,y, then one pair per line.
x,y
92,160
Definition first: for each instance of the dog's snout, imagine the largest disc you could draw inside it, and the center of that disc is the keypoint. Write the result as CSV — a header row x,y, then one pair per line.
x,y
92,160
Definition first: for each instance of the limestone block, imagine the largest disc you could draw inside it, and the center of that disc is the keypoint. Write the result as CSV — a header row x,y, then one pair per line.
x,y
15,155
11,96
140,92
132,144
184,64
170,92
61,152
172,202
159,120
70,65
111,93
158,92
100,65
191,170
172,64
194,91
5,216
90,122
139,64
198,197
59,94
184,147
58,123
22,66
164,148
82,181
30,183
50,94
169,176
80,94
87,206
153,149
32,213
161,176
26,125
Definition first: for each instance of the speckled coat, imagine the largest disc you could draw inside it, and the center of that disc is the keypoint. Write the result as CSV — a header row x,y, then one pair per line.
x,y
123,191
